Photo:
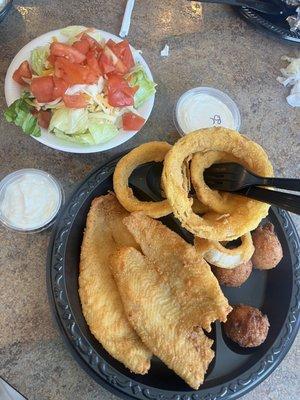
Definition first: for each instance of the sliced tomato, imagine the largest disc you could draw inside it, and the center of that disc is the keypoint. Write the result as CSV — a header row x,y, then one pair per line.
x,y
123,52
130,90
73,73
76,100
42,88
82,45
44,118
51,59
92,42
66,51
132,122
34,112
92,62
23,71
106,64
60,87
119,92
91,77
111,44
120,68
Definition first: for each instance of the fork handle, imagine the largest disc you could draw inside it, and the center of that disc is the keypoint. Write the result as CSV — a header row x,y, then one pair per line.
x,y
281,183
287,201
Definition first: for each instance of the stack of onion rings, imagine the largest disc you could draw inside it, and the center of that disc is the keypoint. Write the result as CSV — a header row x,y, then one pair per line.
x,y
213,225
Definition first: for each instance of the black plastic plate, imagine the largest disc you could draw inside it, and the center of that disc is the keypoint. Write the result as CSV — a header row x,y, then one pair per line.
x,y
274,24
234,371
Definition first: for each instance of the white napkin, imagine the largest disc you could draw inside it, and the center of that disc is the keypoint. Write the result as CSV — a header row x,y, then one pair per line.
x,y
291,77
127,18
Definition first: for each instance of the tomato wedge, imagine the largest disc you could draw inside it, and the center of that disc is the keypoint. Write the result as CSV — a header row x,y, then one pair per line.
x,y
106,64
92,62
94,45
132,122
51,59
60,87
23,71
123,52
124,55
82,45
120,68
73,73
111,44
76,100
119,93
64,50
44,118
42,88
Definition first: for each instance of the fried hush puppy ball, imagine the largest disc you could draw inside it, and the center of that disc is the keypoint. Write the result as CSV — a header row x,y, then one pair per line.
x,y
268,250
234,277
246,326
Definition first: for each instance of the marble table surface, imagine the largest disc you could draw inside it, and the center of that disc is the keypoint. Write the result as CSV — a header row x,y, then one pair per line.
x,y
221,51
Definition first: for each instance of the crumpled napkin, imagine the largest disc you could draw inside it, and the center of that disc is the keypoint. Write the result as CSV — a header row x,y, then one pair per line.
x,y
291,77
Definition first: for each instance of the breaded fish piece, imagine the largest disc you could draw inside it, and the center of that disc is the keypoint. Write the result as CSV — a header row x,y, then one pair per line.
x,y
189,276
101,302
157,316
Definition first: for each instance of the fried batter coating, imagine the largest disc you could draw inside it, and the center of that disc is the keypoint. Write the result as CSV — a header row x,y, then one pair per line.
x,y
268,250
247,326
233,277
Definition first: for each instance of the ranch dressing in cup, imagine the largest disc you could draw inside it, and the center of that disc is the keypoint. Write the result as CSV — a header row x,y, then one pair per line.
x,y
205,107
29,200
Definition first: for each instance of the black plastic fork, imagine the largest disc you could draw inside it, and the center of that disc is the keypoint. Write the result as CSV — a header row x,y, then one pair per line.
x,y
232,177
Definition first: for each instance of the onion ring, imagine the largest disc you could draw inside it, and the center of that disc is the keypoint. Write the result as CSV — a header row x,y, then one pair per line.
x,y
216,254
212,225
220,202
152,151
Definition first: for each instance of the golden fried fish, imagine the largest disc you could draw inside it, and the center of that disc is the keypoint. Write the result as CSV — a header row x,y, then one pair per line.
x,y
157,316
188,274
101,303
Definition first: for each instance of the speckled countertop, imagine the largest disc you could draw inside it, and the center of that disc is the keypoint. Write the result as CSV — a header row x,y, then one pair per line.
x,y
221,51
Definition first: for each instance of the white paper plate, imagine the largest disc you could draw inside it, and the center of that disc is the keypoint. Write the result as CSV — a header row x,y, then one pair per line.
x,y
13,92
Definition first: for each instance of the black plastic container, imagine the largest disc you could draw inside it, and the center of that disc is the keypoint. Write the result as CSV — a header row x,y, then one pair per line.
x,y
273,24
234,371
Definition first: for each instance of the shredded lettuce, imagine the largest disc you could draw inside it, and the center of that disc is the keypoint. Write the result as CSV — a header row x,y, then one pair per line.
x,y
19,112
71,32
138,77
80,126
101,129
96,35
80,138
70,121
38,58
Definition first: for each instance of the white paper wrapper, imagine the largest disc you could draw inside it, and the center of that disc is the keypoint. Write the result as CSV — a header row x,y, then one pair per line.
x,y
291,77
127,18
294,98
165,51
294,21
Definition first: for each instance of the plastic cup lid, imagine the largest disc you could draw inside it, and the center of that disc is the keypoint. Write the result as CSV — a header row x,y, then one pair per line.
x,y
205,107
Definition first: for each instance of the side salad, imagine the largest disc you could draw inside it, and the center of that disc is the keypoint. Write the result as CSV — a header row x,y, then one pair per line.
x,y
83,90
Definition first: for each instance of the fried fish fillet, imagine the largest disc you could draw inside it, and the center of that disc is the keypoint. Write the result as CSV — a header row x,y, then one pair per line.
x,y
188,274
157,316
101,302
